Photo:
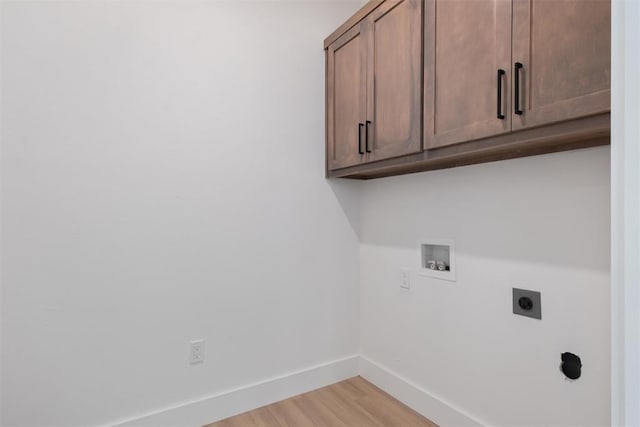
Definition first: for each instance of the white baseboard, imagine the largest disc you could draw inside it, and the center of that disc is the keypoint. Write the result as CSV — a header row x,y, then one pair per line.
x,y
232,402
420,400
251,396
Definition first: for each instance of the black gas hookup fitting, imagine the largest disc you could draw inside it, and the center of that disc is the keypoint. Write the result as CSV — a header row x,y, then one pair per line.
x,y
571,365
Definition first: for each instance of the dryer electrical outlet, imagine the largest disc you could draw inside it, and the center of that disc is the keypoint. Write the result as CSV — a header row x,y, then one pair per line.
x,y
527,303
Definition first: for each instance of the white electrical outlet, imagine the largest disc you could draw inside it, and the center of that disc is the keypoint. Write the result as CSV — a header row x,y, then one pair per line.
x,y
405,279
196,352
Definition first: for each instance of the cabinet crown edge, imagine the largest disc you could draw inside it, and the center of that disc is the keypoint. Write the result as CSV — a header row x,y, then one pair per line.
x,y
352,21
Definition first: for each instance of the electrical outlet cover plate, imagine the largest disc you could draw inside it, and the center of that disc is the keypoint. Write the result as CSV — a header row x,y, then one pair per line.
x,y
405,279
196,352
530,305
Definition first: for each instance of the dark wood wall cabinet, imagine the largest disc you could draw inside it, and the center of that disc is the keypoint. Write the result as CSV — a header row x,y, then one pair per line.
x,y
416,85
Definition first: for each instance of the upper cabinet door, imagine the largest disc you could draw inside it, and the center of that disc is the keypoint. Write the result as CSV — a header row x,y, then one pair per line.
x,y
346,99
394,80
562,51
467,70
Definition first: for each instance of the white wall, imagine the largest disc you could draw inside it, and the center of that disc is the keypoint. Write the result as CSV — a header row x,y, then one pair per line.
x,y
162,181
538,223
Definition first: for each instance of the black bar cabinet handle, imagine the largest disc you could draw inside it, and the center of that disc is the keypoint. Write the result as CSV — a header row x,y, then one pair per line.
x,y
360,125
516,98
501,73
366,137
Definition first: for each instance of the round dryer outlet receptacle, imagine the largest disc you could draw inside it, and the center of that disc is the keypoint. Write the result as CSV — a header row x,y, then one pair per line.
x,y
525,303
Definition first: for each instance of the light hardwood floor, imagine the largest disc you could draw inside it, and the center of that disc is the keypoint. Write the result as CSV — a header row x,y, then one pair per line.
x,y
351,403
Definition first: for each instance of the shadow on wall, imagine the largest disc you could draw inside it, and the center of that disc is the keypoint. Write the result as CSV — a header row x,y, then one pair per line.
x,y
348,193
551,209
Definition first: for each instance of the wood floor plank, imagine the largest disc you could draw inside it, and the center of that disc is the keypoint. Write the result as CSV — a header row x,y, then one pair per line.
x,y
264,418
353,402
384,406
391,414
318,414
345,409
352,387
288,414
364,387
242,420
